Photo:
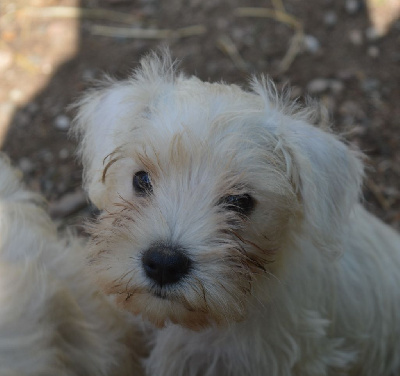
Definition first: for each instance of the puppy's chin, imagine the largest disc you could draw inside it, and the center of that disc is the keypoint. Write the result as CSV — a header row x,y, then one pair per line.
x,y
162,310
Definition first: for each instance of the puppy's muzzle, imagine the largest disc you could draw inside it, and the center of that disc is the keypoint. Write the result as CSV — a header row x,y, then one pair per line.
x,y
165,264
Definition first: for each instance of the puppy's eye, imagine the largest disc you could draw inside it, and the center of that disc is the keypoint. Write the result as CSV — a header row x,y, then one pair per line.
x,y
142,183
242,204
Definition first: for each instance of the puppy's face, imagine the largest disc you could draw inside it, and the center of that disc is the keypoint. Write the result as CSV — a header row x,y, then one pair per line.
x,y
200,193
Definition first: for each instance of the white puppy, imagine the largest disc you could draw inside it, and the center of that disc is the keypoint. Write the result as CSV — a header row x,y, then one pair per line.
x,y
233,225
53,321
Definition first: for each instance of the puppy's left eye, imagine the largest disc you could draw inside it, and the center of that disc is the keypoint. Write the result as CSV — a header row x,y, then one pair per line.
x,y
242,204
142,183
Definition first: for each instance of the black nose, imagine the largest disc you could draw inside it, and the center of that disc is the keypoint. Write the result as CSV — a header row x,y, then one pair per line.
x,y
165,264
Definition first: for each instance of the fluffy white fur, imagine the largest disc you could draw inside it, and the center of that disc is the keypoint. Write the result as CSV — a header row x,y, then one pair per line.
x,y
53,321
306,284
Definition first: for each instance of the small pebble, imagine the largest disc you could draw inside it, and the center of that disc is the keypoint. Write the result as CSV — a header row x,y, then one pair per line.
x,y
26,165
222,23
373,51
62,122
370,84
63,153
88,75
238,33
356,37
46,156
336,86
351,108
318,85
295,92
330,18
352,6
372,34
345,74
311,44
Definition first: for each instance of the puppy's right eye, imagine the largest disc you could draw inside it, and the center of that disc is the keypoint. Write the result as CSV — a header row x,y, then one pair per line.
x,y
242,204
142,183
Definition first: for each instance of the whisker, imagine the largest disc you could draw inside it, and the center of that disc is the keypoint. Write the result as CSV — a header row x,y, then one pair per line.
x,y
203,293
127,283
122,277
108,165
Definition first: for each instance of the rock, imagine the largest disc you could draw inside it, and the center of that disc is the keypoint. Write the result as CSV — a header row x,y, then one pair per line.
x,y
370,84
46,156
88,75
345,74
238,33
330,18
311,44
318,85
352,6
373,51
68,204
63,153
62,122
336,86
26,165
351,108
372,34
295,92
356,37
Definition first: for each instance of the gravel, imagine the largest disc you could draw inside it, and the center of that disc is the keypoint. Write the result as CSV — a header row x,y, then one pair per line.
x,y
62,122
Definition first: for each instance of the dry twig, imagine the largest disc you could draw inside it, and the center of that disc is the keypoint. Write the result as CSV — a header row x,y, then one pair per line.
x,y
279,14
78,13
227,46
278,5
127,32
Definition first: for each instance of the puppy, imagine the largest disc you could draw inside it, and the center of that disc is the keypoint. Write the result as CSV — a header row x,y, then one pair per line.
x,y
233,225
53,321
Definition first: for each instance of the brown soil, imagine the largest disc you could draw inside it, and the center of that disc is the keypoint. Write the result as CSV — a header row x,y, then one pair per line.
x,y
48,58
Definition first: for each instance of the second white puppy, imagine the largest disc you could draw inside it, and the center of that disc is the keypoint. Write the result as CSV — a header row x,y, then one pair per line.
x,y
233,224
53,321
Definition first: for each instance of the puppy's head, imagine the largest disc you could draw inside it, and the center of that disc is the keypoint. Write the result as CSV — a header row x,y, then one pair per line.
x,y
203,189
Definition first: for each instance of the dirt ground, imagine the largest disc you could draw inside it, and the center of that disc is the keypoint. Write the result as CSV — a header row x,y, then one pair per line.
x,y
346,53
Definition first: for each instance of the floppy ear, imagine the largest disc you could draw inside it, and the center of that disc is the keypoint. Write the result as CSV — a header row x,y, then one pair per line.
x,y
106,115
101,116
327,175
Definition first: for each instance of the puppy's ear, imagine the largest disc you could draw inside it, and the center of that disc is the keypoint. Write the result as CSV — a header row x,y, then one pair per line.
x,y
327,176
101,115
107,116
325,173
